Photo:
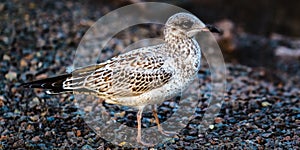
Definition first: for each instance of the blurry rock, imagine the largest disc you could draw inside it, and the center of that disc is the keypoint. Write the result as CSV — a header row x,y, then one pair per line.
x,y
70,134
2,6
6,57
86,147
13,90
4,39
34,118
48,134
265,104
78,133
120,114
19,143
23,63
36,139
219,120
286,52
211,126
29,57
34,102
1,101
88,108
226,40
254,50
11,76
41,42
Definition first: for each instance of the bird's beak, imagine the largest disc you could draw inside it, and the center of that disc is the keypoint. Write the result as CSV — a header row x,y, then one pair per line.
x,y
207,28
212,29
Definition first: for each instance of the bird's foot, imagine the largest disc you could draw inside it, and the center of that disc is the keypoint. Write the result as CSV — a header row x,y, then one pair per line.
x,y
166,133
145,143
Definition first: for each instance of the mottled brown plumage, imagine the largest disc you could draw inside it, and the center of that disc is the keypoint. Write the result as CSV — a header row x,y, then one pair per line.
x,y
145,76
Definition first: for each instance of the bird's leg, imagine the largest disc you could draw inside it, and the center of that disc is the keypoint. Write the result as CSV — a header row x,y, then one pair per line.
x,y
139,136
160,129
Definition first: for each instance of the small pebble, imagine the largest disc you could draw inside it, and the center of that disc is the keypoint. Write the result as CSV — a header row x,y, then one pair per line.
x,y
265,104
88,108
23,63
34,118
6,57
36,139
218,120
11,76
70,134
78,133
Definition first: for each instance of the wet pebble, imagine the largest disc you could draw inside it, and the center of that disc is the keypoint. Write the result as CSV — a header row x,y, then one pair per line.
x,y
11,76
70,134
36,139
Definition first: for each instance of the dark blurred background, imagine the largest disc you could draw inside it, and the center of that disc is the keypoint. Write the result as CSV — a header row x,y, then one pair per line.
x,y
256,33
256,17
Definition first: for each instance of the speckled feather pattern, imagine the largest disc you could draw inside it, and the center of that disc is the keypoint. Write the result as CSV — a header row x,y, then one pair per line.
x,y
143,76
148,75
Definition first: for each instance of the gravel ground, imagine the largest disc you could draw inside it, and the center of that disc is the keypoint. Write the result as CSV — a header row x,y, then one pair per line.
x,y
38,40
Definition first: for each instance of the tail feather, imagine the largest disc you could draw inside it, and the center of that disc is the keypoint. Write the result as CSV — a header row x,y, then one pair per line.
x,y
54,84
73,81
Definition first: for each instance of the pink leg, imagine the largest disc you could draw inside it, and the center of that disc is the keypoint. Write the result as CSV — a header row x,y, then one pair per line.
x,y
160,129
139,136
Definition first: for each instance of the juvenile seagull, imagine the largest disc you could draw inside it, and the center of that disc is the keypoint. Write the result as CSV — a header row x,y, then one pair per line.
x,y
144,76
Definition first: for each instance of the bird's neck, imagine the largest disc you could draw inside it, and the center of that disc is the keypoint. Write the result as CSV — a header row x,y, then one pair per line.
x,y
185,51
179,44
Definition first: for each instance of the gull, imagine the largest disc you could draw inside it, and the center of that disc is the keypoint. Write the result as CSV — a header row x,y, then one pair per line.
x,y
144,76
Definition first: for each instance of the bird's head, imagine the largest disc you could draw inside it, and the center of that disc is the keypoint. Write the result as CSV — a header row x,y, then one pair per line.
x,y
187,25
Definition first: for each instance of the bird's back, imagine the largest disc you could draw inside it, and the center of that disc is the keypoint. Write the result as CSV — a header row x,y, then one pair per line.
x,y
127,75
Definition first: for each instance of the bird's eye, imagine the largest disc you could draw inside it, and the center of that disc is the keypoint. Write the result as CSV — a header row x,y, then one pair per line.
x,y
187,24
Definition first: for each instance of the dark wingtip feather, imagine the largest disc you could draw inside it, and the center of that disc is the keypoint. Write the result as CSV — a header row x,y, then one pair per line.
x,y
52,83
